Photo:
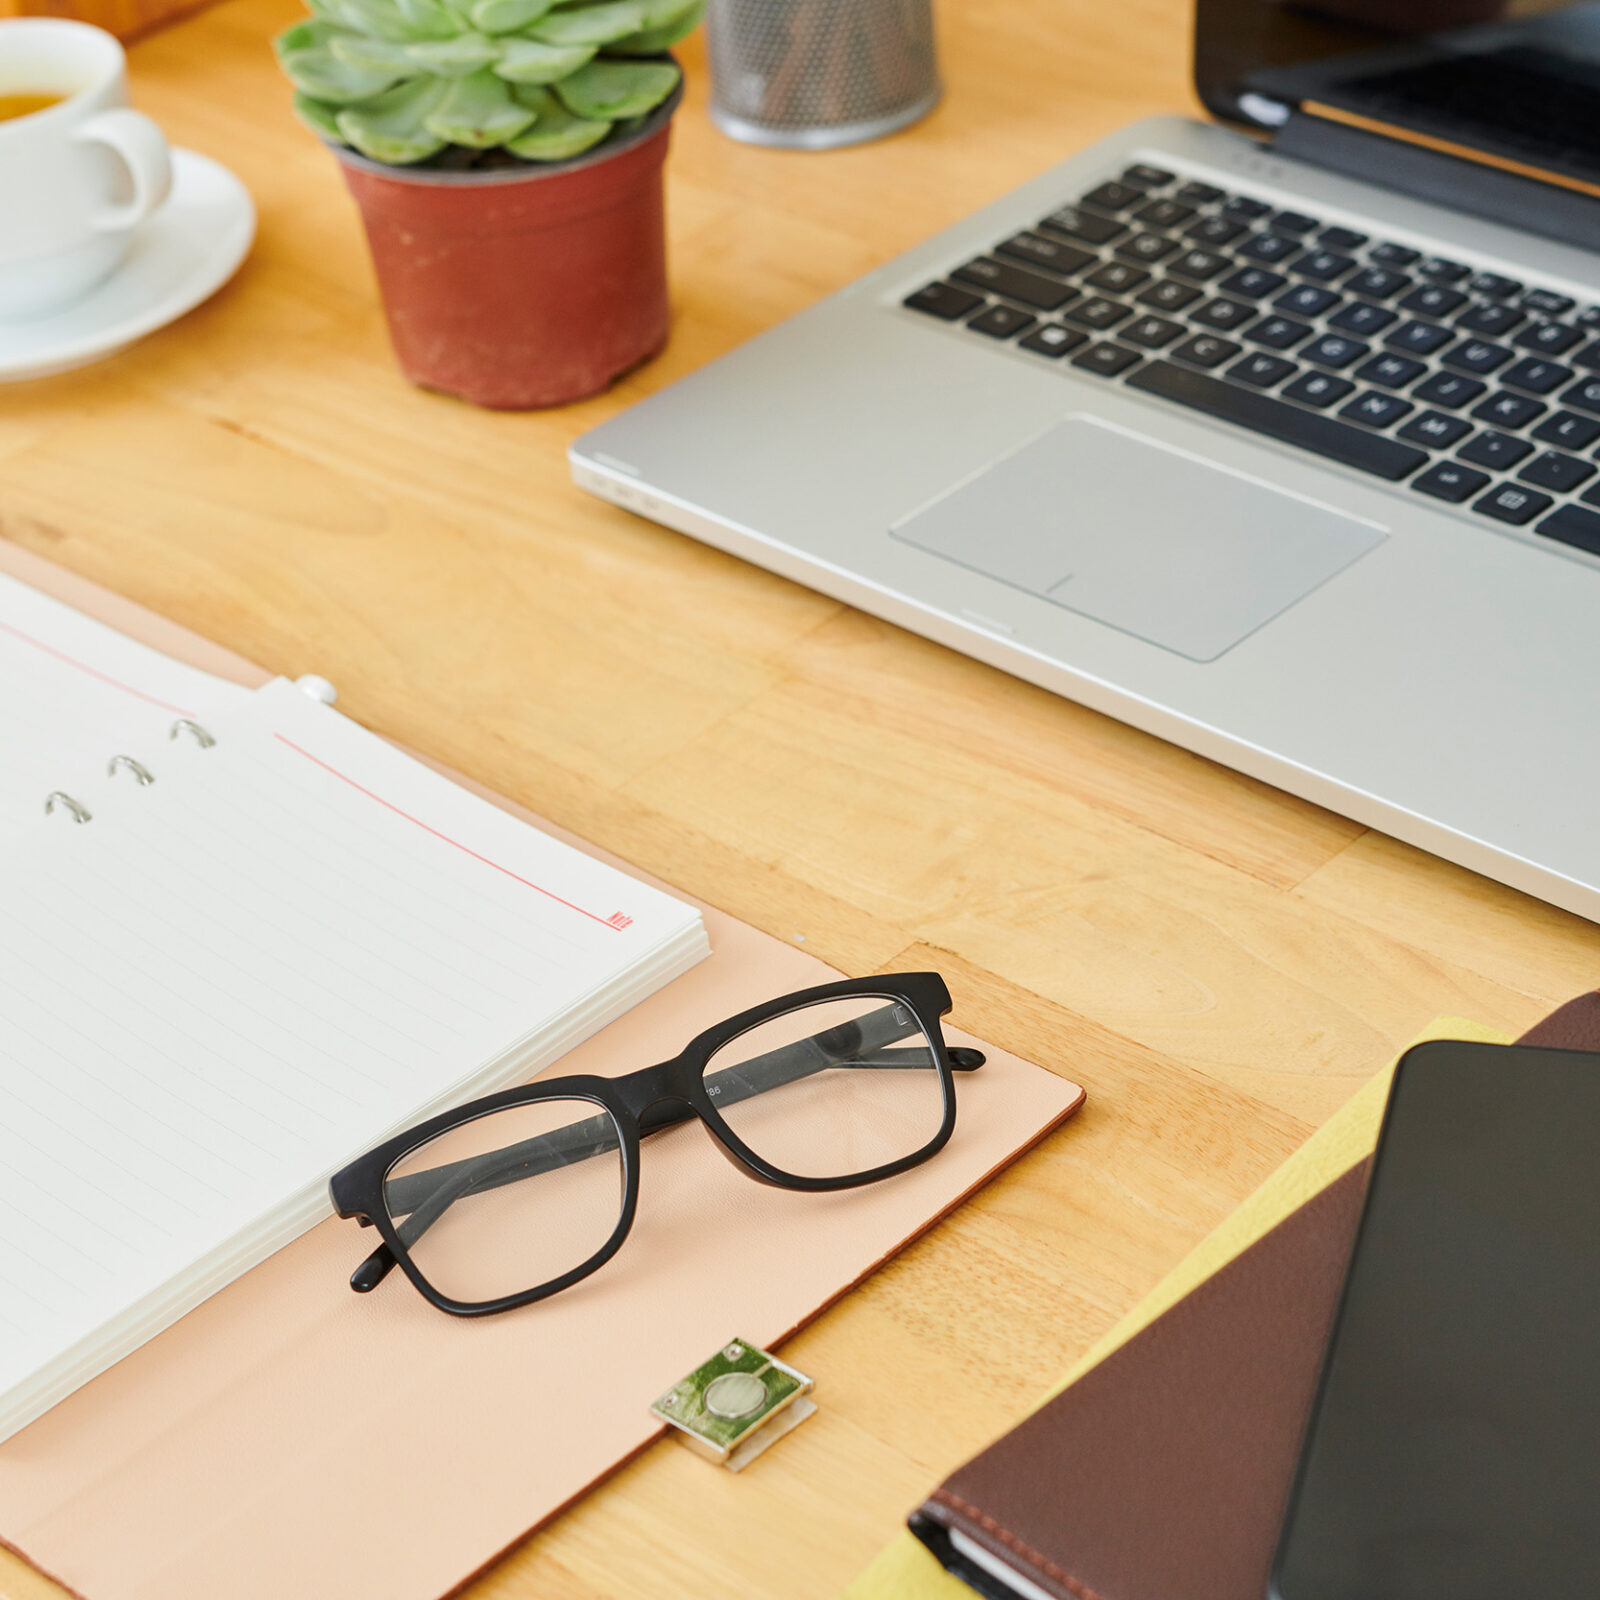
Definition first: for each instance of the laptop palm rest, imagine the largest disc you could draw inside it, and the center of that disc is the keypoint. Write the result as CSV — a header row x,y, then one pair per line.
x,y
1145,538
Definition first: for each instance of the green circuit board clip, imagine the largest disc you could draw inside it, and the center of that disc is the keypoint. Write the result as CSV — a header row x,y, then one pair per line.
x,y
737,1404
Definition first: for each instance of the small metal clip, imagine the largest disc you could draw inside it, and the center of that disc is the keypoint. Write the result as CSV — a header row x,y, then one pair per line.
x,y
139,770
78,811
188,724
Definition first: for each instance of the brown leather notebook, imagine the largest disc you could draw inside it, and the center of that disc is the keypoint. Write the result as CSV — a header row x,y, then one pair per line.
x,y
1163,1472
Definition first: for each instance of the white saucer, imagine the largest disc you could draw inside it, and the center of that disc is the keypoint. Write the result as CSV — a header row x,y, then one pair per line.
x,y
182,255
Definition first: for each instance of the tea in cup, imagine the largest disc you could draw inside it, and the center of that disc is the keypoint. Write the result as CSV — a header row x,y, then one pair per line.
x,y
79,170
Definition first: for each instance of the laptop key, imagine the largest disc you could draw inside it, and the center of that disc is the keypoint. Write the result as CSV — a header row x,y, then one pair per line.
x,y
1106,360
1168,295
1433,300
1151,333
1536,375
1015,283
1275,418
1490,319
1145,176
1418,338
1199,265
1334,350
1243,206
1395,255
1494,285
1146,247
1199,194
1508,410
1098,313
1293,222
1085,225
1269,247
1439,430
1052,340
1585,395
1113,197
1548,338
1389,370
1443,270
1569,429
1278,333
1360,316
1164,214
1117,277
1224,314
1252,281
1001,322
1376,409
1323,266
1510,504
1318,389
1261,371
1548,303
1476,355
1303,300
943,300
1378,282
1575,526
1447,481
1491,449
1556,471
1341,239
1449,389
1051,254
1204,350
1588,357
1214,230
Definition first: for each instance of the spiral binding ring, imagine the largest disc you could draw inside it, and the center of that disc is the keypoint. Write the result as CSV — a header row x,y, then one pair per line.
x,y
189,725
142,774
76,809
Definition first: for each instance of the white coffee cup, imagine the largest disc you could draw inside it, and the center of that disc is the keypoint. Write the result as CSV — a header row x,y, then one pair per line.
x,y
77,178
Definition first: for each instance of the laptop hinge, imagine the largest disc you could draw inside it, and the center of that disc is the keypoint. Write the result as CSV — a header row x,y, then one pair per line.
x,y
1392,162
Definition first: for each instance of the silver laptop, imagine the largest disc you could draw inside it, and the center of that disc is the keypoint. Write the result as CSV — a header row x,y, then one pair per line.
x,y
1276,439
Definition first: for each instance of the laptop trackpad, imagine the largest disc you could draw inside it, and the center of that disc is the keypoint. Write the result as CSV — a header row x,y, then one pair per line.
x,y
1148,539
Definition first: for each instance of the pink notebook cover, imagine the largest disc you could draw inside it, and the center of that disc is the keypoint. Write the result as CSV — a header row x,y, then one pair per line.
x,y
289,1438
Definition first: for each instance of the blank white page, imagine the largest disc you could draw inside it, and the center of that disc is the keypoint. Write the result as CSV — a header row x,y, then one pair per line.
x,y
73,691
231,982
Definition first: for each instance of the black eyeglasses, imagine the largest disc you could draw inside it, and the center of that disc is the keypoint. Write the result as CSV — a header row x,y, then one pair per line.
x,y
514,1197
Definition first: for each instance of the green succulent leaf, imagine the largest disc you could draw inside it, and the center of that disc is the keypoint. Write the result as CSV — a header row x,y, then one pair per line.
x,y
599,24
508,16
392,126
319,73
653,41
456,58
376,55
320,117
528,61
556,134
313,35
664,13
429,19
479,112
607,90
378,19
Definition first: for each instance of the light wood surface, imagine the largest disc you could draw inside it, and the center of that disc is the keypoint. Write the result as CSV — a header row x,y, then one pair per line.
x,y
1220,964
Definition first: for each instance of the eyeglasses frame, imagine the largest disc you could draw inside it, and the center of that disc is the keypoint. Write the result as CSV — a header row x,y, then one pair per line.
x,y
640,1103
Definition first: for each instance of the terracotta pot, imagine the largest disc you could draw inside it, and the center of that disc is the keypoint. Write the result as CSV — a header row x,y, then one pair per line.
x,y
527,286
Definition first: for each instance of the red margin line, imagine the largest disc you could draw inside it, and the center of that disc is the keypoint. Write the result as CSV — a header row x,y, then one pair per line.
x,y
83,666
444,836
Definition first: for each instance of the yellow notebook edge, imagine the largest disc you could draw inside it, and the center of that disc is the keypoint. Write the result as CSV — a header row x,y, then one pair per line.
x,y
904,1569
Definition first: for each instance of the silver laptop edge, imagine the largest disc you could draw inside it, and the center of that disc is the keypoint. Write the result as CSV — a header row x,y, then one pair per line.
x,y
1441,684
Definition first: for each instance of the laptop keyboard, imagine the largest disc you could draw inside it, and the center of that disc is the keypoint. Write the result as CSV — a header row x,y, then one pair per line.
x,y
1448,381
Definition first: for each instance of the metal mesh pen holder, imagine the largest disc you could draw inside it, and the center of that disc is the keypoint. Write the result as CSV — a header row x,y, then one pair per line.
x,y
812,74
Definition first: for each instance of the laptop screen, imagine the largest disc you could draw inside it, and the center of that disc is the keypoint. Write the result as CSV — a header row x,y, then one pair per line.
x,y
1517,81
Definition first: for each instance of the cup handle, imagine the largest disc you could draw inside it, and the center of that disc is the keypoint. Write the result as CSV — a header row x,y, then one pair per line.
x,y
142,148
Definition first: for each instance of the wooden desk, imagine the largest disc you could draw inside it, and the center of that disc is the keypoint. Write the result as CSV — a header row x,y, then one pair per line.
x,y
1219,963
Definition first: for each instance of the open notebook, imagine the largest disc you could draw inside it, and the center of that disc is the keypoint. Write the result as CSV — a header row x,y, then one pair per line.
x,y
221,984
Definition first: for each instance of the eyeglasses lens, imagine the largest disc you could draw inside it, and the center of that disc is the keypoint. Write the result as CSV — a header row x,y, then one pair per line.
x,y
831,1090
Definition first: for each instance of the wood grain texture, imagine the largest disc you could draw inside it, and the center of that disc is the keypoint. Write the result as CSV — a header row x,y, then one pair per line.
x,y
1219,963
125,18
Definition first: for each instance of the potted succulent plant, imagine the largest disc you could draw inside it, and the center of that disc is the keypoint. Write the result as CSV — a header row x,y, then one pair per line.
x,y
506,156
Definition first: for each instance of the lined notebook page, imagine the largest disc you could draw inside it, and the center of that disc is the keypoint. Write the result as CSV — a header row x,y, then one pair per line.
x,y
73,692
232,981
